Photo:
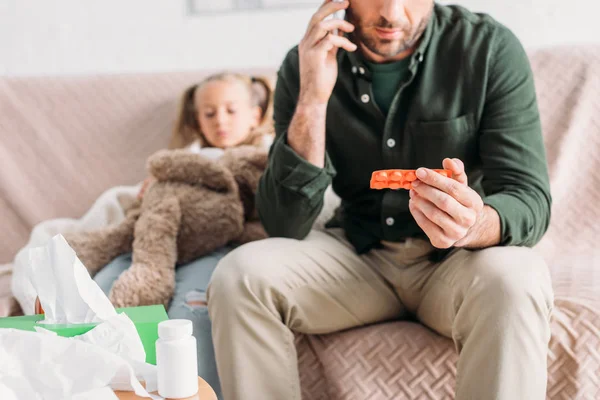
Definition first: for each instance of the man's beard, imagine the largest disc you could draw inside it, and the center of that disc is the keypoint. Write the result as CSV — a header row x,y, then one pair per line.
x,y
384,47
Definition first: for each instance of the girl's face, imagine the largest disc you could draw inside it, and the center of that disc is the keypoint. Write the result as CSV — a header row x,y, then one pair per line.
x,y
225,112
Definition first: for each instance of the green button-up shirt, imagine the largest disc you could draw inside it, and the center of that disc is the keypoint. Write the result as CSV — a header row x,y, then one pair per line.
x,y
469,94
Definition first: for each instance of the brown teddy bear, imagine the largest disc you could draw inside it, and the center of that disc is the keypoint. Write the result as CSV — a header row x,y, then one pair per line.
x,y
195,206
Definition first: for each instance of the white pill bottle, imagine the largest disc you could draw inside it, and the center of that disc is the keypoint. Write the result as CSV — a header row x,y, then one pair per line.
x,y
176,359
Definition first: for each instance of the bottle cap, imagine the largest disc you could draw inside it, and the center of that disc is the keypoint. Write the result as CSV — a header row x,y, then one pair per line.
x,y
175,329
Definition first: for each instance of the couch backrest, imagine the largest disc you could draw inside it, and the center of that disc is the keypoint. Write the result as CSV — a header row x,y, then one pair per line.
x,y
568,86
66,140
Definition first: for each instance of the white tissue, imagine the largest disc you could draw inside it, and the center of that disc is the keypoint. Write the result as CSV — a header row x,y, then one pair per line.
x,y
44,366
66,291
119,336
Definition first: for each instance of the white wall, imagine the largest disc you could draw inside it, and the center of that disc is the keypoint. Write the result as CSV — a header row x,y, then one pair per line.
x,y
540,23
75,36
80,37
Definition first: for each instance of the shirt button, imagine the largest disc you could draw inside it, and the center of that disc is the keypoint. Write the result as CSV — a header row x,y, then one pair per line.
x,y
391,143
365,98
361,70
389,221
354,69
421,57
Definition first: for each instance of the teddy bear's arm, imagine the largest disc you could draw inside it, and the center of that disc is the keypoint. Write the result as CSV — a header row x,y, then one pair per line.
x,y
190,168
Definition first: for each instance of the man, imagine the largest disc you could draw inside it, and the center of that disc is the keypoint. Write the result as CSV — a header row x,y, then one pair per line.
x,y
405,84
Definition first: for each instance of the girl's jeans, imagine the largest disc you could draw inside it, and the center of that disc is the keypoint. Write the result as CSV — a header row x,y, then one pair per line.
x,y
189,302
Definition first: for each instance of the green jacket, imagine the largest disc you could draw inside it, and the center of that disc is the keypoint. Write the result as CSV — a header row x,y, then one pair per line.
x,y
470,94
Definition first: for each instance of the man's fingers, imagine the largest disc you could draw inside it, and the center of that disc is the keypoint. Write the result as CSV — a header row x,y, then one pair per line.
x,y
443,201
446,222
433,232
456,189
458,169
332,41
328,8
326,27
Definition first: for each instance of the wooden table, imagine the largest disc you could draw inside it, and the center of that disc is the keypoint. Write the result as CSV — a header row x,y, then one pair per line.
x,y
205,392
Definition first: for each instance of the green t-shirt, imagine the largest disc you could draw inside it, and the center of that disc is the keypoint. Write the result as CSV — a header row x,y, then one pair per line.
x,y
387,79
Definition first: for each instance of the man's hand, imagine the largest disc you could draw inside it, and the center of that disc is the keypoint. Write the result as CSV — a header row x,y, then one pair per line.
x,y
318,74
446,208
317,51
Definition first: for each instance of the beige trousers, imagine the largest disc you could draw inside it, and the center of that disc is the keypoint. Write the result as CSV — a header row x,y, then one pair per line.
x,y
495,304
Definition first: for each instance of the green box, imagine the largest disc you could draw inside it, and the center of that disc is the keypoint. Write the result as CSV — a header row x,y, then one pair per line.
x,y
145,318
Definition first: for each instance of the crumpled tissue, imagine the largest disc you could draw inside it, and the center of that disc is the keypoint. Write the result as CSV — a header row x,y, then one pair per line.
x,y
44,366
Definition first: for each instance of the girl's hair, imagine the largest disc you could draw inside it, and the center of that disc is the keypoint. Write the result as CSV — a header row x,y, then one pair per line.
x,y
187,129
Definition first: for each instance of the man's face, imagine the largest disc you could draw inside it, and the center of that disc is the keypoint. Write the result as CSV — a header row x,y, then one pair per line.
x,y
388,28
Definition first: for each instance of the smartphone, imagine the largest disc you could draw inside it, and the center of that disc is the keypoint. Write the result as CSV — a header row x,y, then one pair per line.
x,y
341,14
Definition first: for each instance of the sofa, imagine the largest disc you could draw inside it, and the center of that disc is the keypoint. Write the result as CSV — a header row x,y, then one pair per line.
x,y
66,140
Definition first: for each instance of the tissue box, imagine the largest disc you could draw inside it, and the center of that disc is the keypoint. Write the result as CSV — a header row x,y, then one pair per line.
x,y
145,318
